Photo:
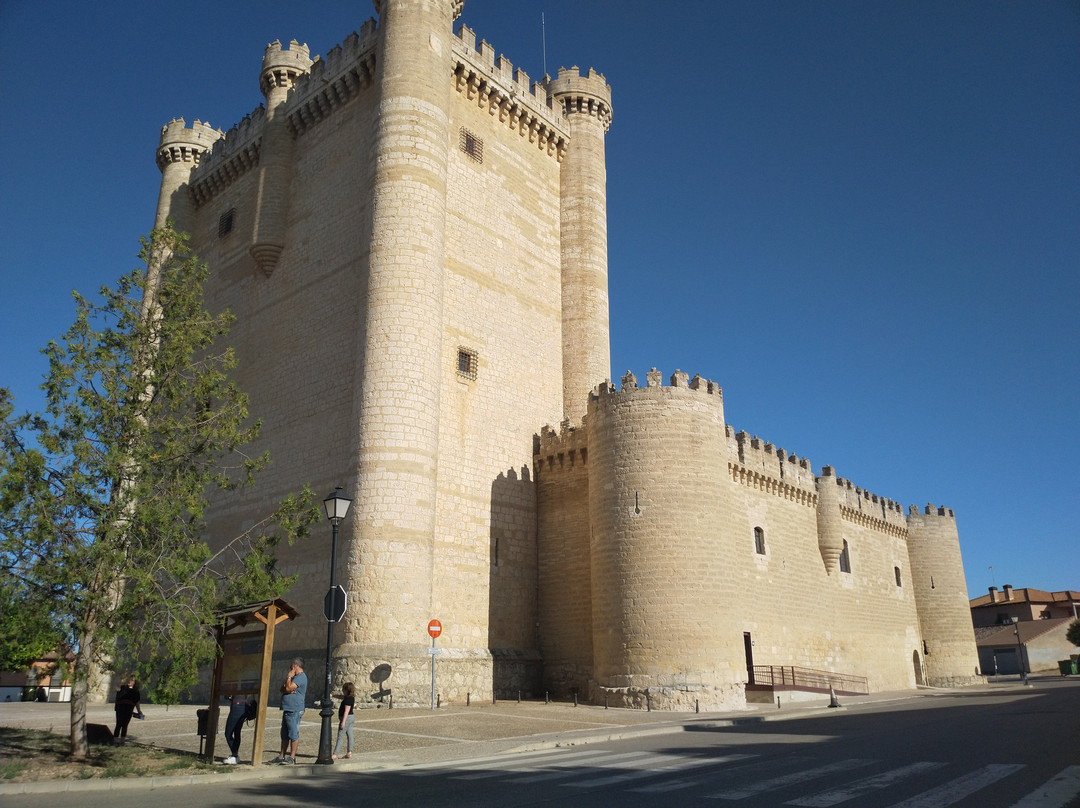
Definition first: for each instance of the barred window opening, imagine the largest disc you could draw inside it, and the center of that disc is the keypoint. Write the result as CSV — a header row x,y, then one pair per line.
x,y
467,363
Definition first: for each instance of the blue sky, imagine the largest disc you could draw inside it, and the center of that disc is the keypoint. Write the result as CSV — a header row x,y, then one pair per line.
x,y
861,218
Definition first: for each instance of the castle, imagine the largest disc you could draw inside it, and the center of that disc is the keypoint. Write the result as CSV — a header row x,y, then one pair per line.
x,y
412,236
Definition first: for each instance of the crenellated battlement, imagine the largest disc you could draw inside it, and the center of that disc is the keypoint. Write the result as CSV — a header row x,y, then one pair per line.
x,y
347,70
576,94
457,6
562,448
654,380
496,86
763,465
930,510
182,144
233,154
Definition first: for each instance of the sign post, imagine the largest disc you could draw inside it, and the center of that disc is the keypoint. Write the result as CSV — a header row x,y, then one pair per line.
x,y
434,628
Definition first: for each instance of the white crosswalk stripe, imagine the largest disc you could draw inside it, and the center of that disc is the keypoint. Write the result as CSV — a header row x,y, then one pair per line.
x,y
565,768
566,764
499,763
955,790
792,779
652,766
677,784
1056,792
859,787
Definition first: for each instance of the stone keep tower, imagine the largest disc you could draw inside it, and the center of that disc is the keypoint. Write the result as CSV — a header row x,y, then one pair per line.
x,y
412,236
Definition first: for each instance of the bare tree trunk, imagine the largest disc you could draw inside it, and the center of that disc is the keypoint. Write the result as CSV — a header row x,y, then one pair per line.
x,y
79,688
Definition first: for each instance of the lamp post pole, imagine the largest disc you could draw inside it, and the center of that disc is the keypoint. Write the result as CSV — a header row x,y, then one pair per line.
x,y
336,506
1019,649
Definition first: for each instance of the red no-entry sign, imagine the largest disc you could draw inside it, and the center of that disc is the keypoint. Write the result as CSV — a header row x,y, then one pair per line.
x,y
434,628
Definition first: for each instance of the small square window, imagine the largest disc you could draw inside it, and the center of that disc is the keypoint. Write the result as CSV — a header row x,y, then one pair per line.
x,y
467,363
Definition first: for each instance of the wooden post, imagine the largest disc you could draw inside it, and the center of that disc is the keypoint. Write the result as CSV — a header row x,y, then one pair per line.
x,y
270,621
215,694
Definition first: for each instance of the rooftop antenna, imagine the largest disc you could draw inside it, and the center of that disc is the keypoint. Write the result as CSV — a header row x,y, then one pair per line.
x,y
543,40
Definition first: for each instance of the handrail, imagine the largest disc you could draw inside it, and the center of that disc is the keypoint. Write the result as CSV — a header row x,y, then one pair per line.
x,y
807,679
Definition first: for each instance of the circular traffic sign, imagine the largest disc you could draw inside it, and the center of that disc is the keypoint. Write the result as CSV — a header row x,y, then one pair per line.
x,y
434,628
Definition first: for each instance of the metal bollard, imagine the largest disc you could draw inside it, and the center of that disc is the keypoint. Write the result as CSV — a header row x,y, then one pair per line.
x,y
438,701
648,701
575,697
605,700
391,707
519,697
468,698
777,702
697,706
547,697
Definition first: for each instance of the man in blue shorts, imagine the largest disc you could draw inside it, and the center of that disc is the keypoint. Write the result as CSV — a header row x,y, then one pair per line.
x,y
293,694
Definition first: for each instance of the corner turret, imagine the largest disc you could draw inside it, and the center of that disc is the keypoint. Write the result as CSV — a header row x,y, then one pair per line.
x,y
586,103
179,151
281,69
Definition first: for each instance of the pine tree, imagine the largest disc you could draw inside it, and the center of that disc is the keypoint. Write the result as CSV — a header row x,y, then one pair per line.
x,y
104,517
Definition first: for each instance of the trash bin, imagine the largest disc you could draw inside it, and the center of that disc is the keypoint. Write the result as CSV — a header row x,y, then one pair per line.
x,y
203,717
1067,667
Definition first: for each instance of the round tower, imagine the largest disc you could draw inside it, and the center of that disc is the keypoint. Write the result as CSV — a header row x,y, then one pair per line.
x,y
937,573
391,560
662,623
586,102
281,69
178,153
830,524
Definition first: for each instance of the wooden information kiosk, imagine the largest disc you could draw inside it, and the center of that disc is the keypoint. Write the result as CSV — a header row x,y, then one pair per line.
x,y
245,637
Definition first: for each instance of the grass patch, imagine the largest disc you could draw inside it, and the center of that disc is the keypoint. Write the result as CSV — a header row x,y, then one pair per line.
x,y
31,755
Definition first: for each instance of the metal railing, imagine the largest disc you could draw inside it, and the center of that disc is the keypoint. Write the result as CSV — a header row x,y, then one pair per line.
x,y
795,678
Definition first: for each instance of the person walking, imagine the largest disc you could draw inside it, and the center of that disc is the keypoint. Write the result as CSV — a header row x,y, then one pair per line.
x,y
346,719
293,696
127,703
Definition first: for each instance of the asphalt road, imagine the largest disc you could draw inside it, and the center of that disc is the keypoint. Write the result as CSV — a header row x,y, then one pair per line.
x,y
1015,749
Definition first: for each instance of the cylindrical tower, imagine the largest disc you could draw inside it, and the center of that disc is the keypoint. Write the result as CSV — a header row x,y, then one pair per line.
x,y
586,102
937,572
830,524
391,561
661,621
280,71
564,602
178,153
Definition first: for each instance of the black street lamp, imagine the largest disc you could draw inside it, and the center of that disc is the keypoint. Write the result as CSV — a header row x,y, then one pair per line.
x,y
336,506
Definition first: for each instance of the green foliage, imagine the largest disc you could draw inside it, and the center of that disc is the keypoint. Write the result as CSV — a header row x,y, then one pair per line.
x,y
32,630
1072,633
104,519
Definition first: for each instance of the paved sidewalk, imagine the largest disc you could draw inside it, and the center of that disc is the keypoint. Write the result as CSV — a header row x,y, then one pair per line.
x,y
388,739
